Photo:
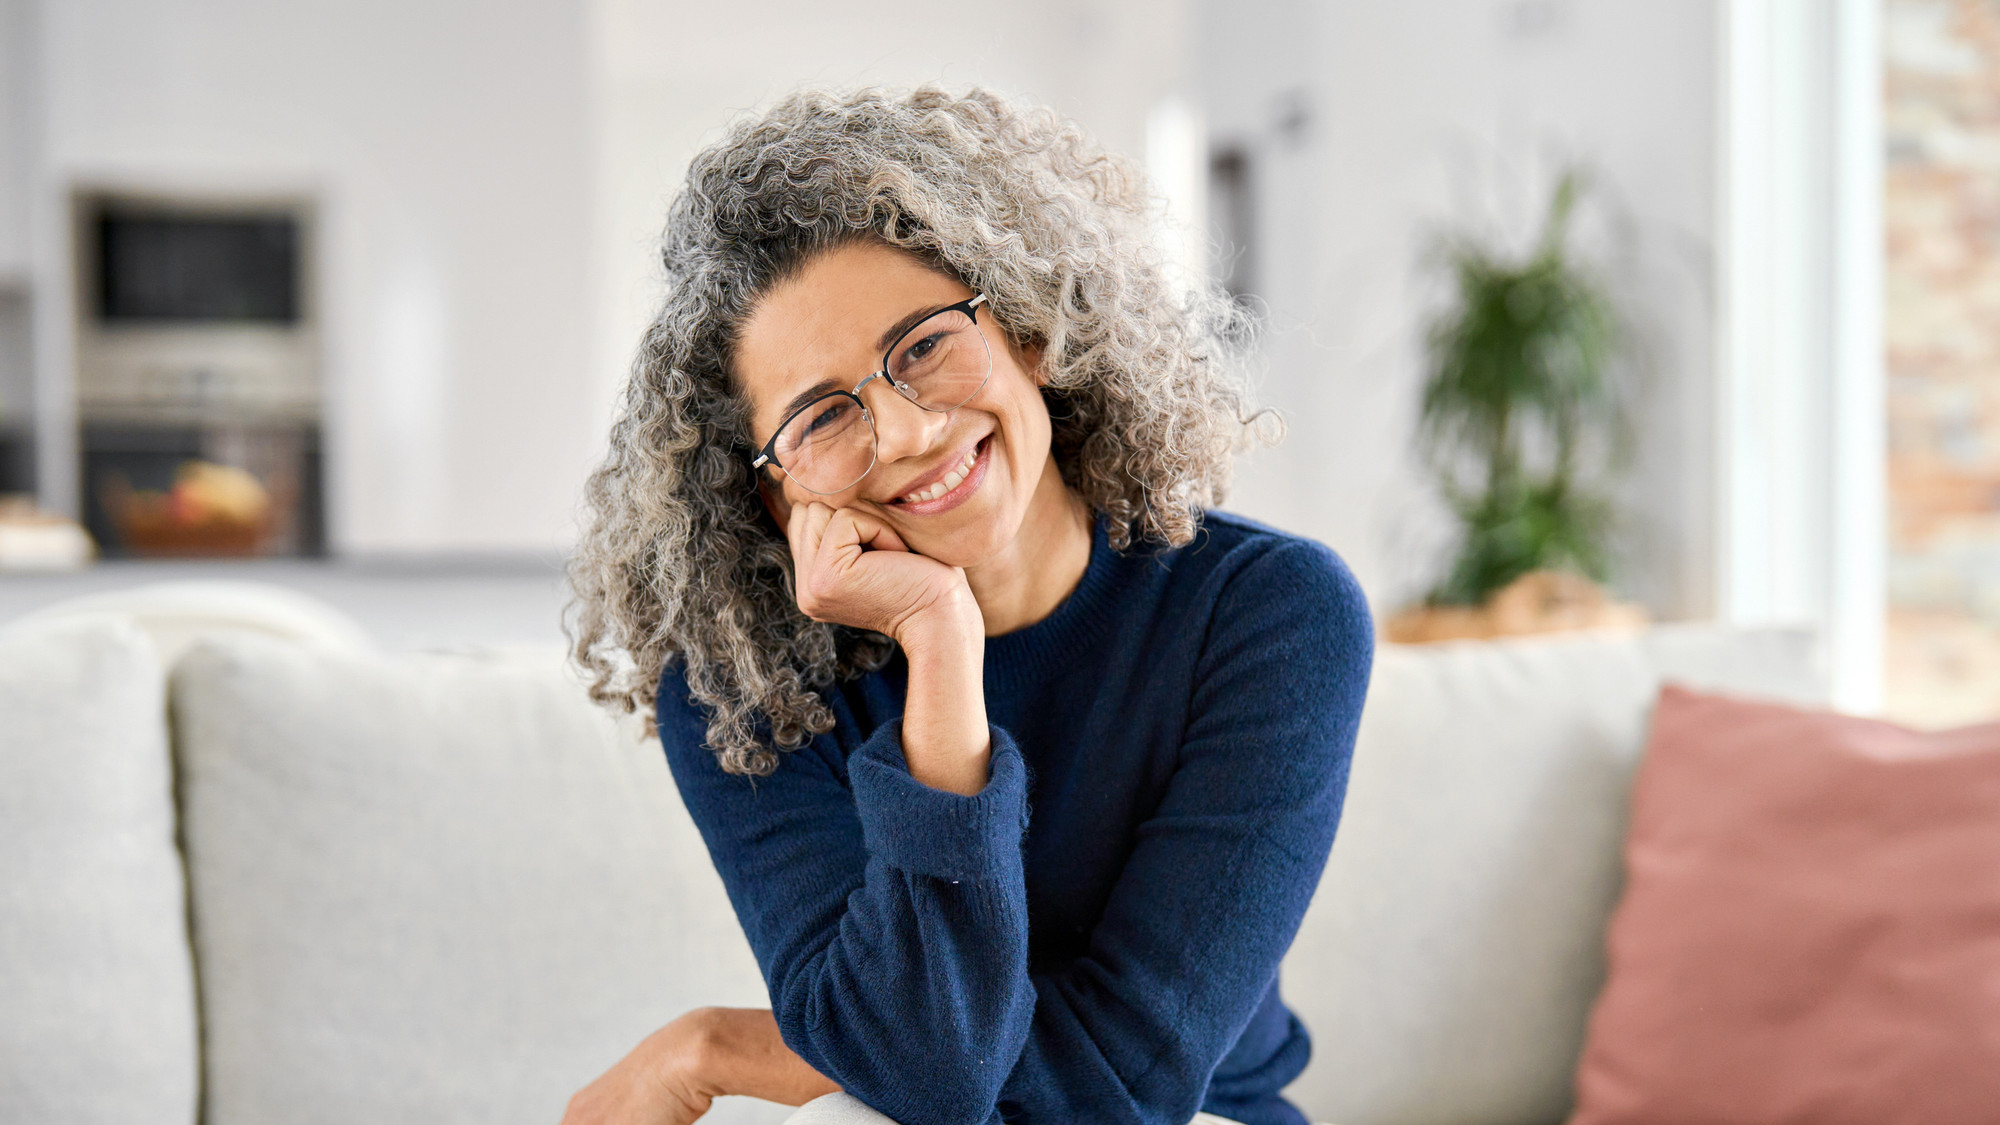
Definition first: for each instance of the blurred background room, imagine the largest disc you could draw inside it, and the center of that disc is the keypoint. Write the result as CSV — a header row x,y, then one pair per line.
x,y
340,295
1668,326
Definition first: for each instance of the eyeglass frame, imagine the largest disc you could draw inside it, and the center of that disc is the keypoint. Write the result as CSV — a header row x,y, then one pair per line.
x,y
768,454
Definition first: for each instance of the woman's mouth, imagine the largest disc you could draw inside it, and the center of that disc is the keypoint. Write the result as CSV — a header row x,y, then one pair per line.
x,y
954,488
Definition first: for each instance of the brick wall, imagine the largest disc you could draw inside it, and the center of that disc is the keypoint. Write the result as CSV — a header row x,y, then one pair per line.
x,y
1942,212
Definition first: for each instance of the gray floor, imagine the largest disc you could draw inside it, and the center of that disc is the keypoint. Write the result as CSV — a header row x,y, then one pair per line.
x,y
412,603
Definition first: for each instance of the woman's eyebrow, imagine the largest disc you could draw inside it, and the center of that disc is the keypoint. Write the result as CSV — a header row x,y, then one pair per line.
x,y
823,387
904,325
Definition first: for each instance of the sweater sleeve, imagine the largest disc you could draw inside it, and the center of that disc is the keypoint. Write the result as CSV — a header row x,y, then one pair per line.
x,y
889,918
1221,875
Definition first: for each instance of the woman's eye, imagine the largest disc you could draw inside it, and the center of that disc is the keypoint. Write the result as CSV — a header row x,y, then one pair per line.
x,y
827,418
918,354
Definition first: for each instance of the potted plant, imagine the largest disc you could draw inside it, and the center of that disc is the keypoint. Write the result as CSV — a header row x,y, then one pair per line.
x,y
1520,424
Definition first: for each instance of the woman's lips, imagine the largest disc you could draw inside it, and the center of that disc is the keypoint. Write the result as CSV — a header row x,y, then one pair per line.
x,y
954,495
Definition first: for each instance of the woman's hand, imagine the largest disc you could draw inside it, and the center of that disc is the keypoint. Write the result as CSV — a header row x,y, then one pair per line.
x,y
852,569
676,1073
658,1083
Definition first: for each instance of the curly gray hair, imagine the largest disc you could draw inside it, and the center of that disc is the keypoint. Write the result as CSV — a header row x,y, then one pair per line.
x,y
1144,381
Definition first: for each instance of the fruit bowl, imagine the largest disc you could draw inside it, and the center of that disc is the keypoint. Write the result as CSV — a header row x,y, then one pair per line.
x,y
211,511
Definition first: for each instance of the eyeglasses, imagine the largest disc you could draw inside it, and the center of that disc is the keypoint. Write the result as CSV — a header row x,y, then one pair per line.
x,y
939,363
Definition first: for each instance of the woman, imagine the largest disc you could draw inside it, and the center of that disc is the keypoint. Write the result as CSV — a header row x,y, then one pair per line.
x,y
1019,763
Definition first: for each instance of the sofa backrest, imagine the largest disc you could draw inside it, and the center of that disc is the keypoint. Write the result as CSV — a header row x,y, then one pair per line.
x,y
178,613
448,888
432,887
97,1004
1447,965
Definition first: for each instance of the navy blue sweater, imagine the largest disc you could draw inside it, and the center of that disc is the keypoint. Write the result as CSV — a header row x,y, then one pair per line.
x,y
1095,936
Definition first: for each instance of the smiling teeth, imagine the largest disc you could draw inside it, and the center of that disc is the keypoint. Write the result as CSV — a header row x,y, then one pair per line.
x,y
951,480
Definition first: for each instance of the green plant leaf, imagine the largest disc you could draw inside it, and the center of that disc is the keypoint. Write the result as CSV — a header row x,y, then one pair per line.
x,y
1518,385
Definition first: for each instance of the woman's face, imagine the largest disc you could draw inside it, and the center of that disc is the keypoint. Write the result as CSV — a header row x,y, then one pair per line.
x,y
824,330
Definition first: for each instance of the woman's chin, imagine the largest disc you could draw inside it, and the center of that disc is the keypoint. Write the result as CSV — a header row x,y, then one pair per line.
x,y
982,535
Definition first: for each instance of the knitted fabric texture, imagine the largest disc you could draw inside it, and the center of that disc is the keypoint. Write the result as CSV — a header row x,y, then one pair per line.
x,y
1096,935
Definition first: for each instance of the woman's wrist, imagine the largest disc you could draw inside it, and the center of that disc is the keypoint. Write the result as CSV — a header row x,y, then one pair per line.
x,y
942,634
945,737
950,621
685,1052
738,1051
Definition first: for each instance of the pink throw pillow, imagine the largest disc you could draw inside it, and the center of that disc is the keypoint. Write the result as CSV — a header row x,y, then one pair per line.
x,y
1810,927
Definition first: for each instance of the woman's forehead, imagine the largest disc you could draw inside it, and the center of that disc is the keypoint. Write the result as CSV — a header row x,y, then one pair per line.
x,y
825,323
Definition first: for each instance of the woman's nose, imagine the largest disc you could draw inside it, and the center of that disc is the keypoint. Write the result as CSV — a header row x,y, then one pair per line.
x,y
902,428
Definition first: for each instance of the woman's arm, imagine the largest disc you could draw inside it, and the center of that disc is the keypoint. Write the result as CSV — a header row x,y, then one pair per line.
x,y
891,926
944,709
674,1074
852,569
888,917
739,1051
945,829
1221,874
896,952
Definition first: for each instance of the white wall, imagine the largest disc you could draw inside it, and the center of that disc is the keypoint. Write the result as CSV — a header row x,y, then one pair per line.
x,y
1430,112
450,144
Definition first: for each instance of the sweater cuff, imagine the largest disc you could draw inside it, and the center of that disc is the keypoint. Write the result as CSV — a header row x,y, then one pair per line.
x,y
913,827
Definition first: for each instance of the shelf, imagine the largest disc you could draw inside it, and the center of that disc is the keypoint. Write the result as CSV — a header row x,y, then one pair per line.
x,y
191,415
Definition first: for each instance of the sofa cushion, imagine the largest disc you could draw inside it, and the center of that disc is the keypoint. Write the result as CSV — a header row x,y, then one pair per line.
x,y
1807,929
97,1008
432,888
1447,965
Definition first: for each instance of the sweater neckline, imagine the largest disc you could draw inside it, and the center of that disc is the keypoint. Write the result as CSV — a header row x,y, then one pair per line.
x,y
1014,659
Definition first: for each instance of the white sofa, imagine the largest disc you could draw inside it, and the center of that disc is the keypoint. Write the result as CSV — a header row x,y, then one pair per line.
x,y
255,871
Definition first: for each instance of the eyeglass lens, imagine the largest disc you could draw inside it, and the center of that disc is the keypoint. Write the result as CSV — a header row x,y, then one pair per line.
x,y
939,365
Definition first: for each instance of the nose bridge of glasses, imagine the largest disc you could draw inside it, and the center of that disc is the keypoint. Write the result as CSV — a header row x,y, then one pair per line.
x,y
903,391
885,377
901,432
